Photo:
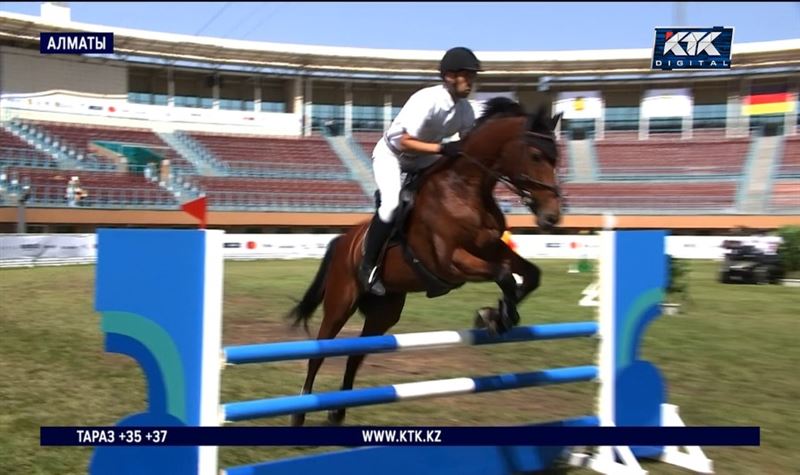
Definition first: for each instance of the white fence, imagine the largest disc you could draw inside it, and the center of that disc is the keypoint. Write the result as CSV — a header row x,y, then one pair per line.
x,y
58,249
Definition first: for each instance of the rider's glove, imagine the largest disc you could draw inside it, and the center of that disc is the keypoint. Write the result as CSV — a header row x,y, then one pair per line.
x,y
451,149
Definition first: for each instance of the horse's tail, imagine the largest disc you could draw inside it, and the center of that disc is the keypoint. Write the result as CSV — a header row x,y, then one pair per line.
x,y
302,312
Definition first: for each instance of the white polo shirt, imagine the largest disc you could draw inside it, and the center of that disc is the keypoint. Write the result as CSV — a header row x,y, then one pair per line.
x,y
430,115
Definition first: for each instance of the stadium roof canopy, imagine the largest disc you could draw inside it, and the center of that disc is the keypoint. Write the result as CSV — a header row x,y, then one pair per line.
x,y
329,61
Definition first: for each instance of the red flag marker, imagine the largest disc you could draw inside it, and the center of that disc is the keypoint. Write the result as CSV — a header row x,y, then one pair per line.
x,y
197,209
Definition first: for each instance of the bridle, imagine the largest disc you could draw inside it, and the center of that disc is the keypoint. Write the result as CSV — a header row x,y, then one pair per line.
x,y
520,184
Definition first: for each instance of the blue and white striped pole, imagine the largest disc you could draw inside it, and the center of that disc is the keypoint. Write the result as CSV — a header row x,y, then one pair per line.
x,y
267,352
238,411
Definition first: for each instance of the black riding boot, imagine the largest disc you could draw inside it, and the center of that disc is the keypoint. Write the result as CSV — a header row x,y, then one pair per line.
x,y
377,234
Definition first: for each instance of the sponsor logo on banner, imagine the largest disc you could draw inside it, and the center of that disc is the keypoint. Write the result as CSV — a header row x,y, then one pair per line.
x,y
232,245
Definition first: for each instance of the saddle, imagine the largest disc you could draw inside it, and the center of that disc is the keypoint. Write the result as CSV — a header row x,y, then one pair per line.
x,y
435,286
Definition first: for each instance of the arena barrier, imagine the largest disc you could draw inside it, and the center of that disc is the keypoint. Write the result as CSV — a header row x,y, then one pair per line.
x,y
160,296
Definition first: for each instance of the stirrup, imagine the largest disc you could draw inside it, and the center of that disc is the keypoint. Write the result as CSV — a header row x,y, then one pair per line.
x,y
372,284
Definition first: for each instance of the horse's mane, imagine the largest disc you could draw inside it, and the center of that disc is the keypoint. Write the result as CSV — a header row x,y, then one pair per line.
x,y
499,107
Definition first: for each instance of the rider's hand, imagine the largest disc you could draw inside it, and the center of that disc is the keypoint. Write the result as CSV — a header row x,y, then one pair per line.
x,y
451,149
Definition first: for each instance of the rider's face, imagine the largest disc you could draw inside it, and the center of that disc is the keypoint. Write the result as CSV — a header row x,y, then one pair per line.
x,y
461,82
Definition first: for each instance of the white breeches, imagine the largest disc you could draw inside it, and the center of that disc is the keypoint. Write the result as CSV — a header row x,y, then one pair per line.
x,y
386,168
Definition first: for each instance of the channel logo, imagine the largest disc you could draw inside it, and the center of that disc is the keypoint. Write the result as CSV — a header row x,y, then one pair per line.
x,y
692,48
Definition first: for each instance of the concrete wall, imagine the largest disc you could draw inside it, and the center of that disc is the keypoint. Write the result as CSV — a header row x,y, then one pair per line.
x,y
27,71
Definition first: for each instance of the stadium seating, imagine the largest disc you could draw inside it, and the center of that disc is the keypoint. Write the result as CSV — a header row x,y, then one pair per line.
x,y
367,140
277,193
256,155
790,162
785,195
105,189
643,196
702,156
15,151
309,175
652,195
77,138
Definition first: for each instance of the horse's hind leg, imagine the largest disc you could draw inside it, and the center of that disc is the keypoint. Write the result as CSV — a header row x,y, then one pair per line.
x,y
381,314
339,305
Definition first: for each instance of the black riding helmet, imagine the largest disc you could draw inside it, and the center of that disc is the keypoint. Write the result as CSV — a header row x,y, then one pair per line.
x,y
459,59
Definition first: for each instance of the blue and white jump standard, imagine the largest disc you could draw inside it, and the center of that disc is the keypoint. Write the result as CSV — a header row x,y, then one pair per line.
x,y
170,322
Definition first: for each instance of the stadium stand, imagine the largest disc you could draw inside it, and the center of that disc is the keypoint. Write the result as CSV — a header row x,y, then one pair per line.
x,y
367,140
249,155
331,195
78,137
790,163
104,188
705,156
248,131
719,196
785,195
15,151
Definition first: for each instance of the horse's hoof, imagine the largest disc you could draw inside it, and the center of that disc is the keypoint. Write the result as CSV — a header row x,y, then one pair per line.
x,y
336,417
487,317
483,316
479,321
298,420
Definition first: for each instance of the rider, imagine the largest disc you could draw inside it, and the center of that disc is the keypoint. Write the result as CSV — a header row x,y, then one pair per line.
x,y
414,142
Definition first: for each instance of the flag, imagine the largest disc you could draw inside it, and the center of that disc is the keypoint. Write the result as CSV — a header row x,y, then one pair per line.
x,y
197,209
776,103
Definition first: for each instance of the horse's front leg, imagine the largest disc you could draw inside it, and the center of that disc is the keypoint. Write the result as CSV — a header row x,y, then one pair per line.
x,y
513,292
530,273
478,269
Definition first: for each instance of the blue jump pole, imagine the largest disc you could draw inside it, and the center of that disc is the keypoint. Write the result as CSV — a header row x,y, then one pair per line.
x,y
238,411
269,352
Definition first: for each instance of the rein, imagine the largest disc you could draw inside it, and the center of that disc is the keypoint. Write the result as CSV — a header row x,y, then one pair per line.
x,y
516,183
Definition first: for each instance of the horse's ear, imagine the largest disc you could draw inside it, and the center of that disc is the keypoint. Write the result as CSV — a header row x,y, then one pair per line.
x,y
554,121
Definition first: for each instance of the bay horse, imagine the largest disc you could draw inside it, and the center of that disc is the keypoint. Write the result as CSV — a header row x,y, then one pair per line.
x,y
450,236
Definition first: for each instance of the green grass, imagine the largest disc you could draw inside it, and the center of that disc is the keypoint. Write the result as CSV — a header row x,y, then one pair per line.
x,y
730,359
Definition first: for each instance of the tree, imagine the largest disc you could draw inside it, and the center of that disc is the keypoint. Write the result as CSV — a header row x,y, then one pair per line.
x,y
789,250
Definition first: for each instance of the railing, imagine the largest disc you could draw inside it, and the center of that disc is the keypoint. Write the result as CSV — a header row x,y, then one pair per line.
x,y
57,196
297,201
687,172
284,170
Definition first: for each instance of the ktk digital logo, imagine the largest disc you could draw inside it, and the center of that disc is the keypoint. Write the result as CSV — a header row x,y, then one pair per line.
x,y
692,48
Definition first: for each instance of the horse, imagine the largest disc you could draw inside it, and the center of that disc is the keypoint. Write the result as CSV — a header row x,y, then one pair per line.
x,y
451,235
